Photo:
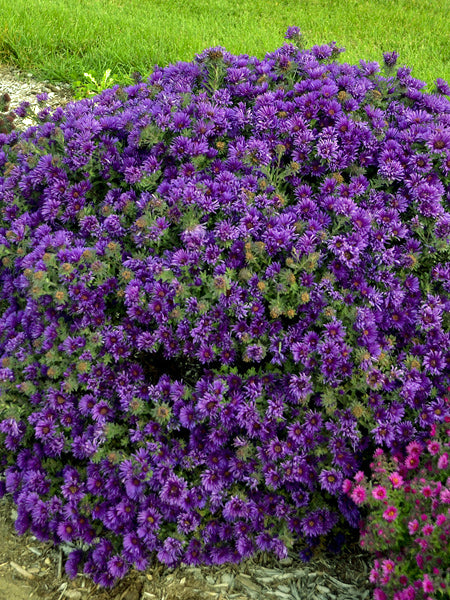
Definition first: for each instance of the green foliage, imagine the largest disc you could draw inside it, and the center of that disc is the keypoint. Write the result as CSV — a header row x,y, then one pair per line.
x,y
91,86
62,40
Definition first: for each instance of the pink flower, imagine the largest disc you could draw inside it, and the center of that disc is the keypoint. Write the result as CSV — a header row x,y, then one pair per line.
x,y
445,495
373,576
359,477
437,489
358,495
346,486
426,491
433,447
412,461
413,526
378,594
390,514
388,566
427,584
414,448
422,543
443,461
403,580
440,519
427,529
396,479
379,492
419,561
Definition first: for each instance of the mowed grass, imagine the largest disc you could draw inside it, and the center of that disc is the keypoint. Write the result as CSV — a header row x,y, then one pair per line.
x,y
61,39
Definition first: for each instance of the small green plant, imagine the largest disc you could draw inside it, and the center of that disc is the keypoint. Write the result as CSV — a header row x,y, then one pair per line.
x,y
91,86
6,116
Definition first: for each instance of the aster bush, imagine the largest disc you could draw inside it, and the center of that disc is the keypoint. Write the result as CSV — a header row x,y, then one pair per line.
x,y
221,289
408,523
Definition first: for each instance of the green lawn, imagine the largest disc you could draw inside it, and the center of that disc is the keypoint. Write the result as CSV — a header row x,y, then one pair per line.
x,y
61,39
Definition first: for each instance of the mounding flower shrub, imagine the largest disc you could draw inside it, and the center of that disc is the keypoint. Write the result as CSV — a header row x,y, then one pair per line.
x,y
408,527
221,290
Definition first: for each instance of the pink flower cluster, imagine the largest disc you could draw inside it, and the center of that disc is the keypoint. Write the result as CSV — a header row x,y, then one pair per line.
x,y
408,525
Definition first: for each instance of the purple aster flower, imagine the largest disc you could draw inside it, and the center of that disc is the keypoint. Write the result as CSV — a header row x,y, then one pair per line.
x,y
211,481
194,554
434,362
264,541
311,526
390,59
301,498
132,547
442,228
236,508
276,449
331,480
205,353
72,563
117,567
439,141
188,522
43,97
442,86
66,531
293,33
384,433
349,510
171,551
21,110
254,352
300,386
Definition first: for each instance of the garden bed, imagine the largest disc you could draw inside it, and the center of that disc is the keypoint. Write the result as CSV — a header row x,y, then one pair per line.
x,y
32,569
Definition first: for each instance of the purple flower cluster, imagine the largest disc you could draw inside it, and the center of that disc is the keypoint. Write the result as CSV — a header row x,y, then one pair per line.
x,y
219,289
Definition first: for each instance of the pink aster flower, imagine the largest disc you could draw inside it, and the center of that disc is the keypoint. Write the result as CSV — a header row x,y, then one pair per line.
x,y
388,566
433,447
440,519
412,461
390,514
378,594
379,492
396,479
427,529
358,495
413,526
427,584
426,491
359,477
422,543
414,448
346,486
443,461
